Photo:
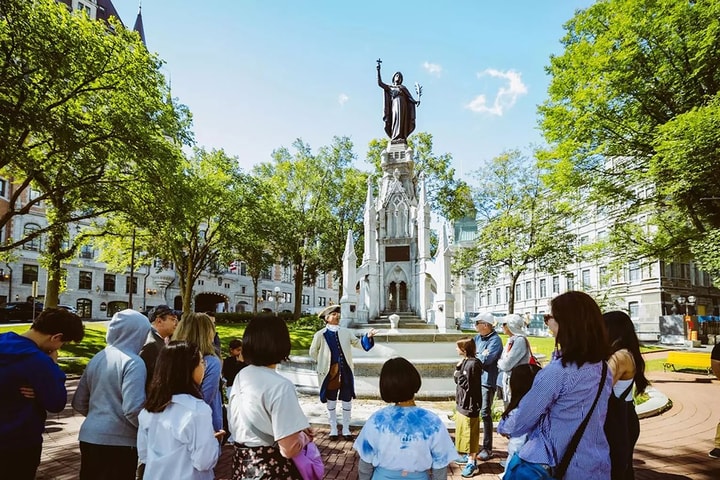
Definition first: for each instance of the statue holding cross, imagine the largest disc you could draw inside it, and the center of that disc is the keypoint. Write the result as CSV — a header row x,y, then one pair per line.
x,y
399,107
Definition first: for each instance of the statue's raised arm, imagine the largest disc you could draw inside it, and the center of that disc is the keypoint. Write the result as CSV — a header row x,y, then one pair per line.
x,y
399,108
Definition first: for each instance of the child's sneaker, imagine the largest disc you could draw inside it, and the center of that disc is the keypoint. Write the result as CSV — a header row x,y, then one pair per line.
x,y
462,460
469,471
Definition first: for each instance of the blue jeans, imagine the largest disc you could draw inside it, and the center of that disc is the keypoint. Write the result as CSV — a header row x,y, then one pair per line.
x,y
488,395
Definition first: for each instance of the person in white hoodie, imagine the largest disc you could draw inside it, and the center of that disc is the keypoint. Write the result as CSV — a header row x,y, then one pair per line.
x,y
111,394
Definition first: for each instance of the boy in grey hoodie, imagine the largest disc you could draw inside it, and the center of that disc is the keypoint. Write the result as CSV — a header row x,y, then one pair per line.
x,y
111,394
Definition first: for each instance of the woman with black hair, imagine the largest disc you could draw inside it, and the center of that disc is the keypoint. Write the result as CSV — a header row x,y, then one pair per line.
x,y
264,413
403,440
574,384
628,368
176,423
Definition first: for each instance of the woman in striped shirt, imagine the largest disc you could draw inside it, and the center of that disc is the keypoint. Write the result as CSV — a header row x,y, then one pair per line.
x,y
563,393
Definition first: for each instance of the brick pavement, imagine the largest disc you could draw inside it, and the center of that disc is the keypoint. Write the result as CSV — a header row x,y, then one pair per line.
x,y
672,446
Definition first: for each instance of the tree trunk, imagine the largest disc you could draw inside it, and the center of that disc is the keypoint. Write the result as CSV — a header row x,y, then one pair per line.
x,y
299,280
511,298
55,238
255,282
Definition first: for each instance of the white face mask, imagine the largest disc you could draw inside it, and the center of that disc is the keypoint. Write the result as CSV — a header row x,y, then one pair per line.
x,y
333,328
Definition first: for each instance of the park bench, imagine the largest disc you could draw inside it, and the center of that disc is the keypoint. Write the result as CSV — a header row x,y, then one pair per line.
x,y
688,359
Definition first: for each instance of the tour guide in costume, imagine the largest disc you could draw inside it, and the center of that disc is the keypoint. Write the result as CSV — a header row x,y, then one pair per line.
x,y
331,348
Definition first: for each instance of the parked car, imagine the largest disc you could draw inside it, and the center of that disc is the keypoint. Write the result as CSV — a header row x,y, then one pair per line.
x,y
19,311
69,308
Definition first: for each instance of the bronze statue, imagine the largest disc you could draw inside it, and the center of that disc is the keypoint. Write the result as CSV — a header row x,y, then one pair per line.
x,y
399,107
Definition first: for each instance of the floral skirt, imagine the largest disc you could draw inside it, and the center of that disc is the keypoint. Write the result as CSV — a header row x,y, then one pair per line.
x,y
262,463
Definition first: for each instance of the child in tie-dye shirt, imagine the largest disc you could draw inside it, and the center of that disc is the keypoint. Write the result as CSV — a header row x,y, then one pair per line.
x,y
403,440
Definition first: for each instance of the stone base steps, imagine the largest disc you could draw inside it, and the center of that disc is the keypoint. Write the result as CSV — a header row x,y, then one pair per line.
x,y
367,375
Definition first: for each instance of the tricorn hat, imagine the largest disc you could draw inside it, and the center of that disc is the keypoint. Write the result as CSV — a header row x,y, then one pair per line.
x,y
328,310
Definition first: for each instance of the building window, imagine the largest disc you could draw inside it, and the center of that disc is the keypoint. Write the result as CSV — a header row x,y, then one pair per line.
x,y
243,289
30,274
528,290
603,280
488,297
634,310
243,269
109,282
227,285
286,297
586,279
266,274
199,282
306,299
134,284
35,243
517,292
570,281
34,194
507,294
86,251
84,307
322,301
556,284
497,296
322,281
286,275
3,188
634,272
85,280
543,288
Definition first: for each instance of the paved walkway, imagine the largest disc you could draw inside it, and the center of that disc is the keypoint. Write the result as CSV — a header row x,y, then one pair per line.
x,y
672,446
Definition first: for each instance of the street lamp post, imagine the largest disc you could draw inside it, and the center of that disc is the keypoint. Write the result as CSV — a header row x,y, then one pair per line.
x,y
277,300
690,300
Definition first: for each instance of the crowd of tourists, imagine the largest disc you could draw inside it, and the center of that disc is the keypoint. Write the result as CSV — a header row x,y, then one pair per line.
x,y
159,401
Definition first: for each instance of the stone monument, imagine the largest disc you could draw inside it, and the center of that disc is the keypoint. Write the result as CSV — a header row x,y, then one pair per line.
x,y
397,273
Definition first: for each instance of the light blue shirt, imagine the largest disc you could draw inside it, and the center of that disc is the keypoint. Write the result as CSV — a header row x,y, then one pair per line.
x,y
494,346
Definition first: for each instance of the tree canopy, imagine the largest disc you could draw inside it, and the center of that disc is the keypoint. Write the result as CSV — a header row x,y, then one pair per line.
x,y
85,120
521,224
632,115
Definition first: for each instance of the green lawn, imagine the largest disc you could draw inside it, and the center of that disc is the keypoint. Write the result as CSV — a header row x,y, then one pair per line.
x,y
74,357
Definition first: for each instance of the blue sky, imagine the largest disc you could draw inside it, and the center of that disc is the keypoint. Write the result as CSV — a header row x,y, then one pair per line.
x,y
259,74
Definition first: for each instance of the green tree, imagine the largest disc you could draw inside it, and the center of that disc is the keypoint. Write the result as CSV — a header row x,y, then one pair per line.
x,y
252,231
84,117
306,185
521,225
447,195
633,115
190,221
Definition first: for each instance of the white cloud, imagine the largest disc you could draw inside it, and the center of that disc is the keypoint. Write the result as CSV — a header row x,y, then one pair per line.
x,y
342,99
506,95
433,68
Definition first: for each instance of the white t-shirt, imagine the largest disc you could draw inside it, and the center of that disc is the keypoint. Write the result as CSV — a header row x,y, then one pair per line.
x,y
405,438
269,403
178,442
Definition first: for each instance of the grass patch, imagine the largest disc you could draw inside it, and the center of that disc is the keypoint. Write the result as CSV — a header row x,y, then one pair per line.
x,y
74,357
